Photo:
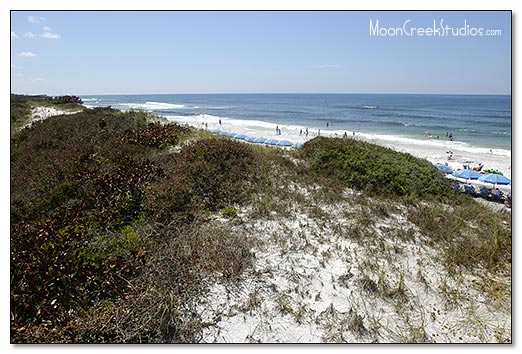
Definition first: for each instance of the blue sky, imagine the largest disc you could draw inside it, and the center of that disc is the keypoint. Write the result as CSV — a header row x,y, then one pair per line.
x,y
60,52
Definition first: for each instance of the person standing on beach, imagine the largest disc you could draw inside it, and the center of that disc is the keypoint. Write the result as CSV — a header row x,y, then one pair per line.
x,y
220,122
277,129
307,132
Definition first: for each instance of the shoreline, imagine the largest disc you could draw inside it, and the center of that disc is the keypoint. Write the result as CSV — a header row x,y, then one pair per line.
x,y
434,151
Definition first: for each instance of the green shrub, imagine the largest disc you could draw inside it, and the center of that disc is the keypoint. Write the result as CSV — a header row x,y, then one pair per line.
x,y
375,169
76,186
229,212
67,99
207,174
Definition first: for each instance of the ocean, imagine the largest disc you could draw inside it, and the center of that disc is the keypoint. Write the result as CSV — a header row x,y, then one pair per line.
x,y
480,123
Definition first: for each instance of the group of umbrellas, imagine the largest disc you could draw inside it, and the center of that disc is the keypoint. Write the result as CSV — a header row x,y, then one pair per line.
x,y
259,140
492,178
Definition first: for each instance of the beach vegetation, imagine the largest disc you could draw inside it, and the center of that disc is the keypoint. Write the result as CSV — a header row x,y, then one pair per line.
x,y
118,230
374,169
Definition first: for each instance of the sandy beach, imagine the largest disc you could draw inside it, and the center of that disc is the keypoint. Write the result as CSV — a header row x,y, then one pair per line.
x,y
41,113
435,151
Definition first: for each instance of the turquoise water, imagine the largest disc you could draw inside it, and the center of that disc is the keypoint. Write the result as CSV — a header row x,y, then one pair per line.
x,y
482,121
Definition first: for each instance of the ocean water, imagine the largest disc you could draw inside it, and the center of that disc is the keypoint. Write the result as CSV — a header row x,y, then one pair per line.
x,y
476,121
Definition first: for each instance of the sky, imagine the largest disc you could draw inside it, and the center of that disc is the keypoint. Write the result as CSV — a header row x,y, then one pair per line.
x,y
97,52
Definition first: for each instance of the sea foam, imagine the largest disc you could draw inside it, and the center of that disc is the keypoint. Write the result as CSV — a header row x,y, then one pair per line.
x,y
155,106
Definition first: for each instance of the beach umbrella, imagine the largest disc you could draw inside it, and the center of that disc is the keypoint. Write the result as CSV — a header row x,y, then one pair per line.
x,y
444,168
297,145
285,143
272,141
250,138
260,140
239,136
493,178
466,174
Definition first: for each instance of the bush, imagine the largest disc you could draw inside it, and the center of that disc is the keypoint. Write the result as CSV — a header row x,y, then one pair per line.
x,y
67,99
76,189
229,212
375,169
155,135
208,174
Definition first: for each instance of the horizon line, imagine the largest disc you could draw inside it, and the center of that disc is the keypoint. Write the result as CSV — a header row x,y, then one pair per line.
x,y
296,93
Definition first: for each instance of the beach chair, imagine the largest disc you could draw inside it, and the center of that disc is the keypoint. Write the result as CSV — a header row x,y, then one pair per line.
x,y
484,192
469,189
497,196
456,186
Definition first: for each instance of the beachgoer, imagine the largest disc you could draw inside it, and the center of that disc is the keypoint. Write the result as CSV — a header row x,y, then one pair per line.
x,y
277,129
307,132
206,125
479,168
327,124
345,136
220,122
496,193
319,132
446,134
301,132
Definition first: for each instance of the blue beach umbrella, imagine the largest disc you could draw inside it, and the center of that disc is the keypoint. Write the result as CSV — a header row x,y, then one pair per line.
x,y
272,141
239,136
444,168
260,140
493,178
285,143
467,174
250,138
297,145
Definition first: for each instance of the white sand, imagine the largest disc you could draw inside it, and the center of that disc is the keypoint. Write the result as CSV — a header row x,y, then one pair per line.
x,y
434,151
307,285
41,113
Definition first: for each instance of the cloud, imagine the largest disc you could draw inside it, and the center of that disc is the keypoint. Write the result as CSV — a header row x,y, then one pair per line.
x,y
50,35
47,28
28,35
35,19
15,67
13,35
26,54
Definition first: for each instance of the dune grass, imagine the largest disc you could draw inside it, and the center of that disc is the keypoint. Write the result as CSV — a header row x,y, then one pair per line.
x,y
113,239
